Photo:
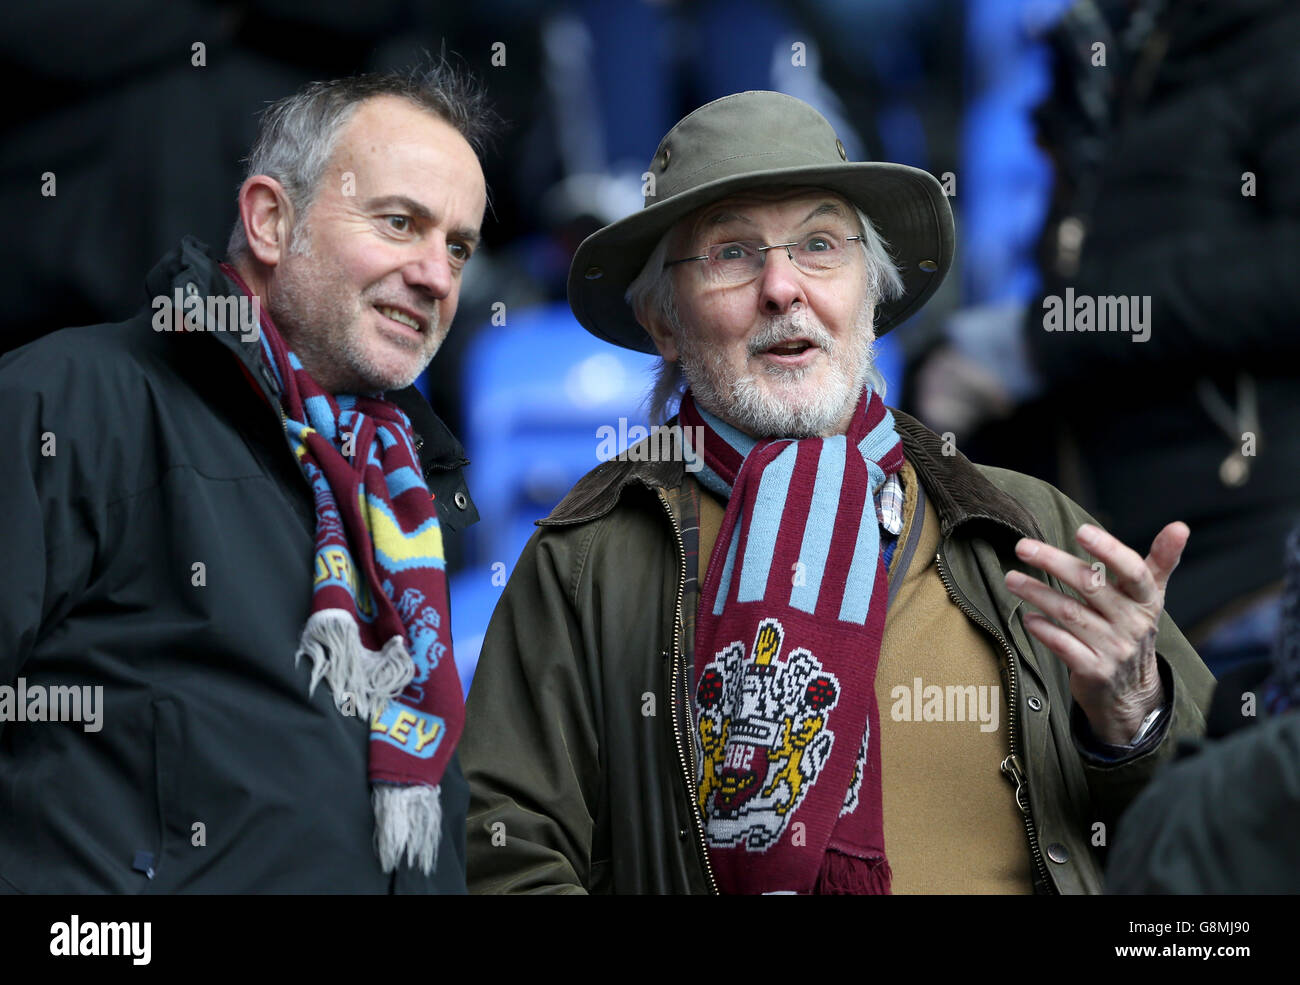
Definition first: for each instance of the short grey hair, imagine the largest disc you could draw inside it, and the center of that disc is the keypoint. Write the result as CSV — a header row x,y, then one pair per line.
x,y
297,134
652,293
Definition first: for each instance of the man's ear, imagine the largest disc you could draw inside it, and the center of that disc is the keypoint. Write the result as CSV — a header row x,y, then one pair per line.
x,y
267,216
653,321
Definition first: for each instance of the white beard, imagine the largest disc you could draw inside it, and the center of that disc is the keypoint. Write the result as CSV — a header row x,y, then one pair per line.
x,y
767,412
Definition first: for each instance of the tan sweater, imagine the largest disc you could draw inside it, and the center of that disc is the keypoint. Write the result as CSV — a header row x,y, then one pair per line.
x,y
951,822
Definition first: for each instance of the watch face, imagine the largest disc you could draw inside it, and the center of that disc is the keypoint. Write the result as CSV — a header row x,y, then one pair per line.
x,y
1148,725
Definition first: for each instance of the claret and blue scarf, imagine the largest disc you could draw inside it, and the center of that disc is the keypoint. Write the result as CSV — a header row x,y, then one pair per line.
x,y
379,630
792,613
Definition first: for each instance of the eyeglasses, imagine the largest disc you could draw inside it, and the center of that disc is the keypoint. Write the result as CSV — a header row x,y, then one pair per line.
x,y
732,264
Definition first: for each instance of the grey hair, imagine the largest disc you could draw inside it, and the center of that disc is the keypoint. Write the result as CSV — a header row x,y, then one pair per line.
x,y
652,293
297,134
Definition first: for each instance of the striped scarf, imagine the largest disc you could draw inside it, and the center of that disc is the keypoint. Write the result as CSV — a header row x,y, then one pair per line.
x,y
379,631
792,613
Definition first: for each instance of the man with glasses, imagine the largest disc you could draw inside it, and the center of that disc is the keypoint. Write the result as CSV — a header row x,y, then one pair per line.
x,y
814,649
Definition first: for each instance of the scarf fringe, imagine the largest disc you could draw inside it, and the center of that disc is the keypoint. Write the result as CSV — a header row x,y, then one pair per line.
x,y
332,641
848,875
408,821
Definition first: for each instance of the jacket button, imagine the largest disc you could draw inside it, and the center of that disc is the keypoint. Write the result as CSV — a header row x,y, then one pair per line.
x,y
682,834
1035,703
1058,853
460,499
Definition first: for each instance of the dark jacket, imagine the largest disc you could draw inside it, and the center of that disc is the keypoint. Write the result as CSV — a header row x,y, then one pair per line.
x,y
579,749
1152,153
1225,817
213,770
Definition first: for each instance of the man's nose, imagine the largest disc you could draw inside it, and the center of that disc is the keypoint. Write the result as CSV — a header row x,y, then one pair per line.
x,y
781,283
431,270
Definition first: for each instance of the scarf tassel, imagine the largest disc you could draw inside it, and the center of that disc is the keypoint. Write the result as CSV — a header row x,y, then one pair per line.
x,y
408,821
364,679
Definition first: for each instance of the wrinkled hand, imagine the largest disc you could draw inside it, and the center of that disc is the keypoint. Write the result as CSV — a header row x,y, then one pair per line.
x,y
1108,642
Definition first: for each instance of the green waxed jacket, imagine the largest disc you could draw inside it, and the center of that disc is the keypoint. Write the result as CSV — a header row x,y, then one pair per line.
x,y
578,748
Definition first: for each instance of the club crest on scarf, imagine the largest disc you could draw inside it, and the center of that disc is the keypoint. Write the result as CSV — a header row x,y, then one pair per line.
x,y
763,737
788,777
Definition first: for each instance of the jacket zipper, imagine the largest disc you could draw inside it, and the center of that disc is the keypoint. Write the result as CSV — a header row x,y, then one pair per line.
x,y
284,426
679,672
1011,766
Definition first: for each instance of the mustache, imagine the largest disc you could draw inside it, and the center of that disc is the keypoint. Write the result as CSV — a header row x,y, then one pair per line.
x,y
785,329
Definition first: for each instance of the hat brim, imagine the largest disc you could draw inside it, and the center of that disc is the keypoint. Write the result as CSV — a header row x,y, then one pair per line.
x,y
907,206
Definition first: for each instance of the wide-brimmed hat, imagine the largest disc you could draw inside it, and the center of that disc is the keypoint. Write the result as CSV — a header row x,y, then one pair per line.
x,y
747,141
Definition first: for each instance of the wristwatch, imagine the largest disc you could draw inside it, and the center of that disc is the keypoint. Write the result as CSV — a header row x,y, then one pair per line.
x,y
1149,725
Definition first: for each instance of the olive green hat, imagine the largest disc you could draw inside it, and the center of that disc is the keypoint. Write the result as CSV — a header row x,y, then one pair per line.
x,y
760,140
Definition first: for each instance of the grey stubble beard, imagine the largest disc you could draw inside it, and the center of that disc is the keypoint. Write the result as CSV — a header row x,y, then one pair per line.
x,y
316,328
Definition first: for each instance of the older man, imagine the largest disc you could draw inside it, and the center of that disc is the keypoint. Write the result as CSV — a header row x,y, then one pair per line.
x,y
799,658
238,477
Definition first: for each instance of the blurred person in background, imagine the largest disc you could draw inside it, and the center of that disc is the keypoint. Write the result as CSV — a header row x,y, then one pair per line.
x,y
1174,130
